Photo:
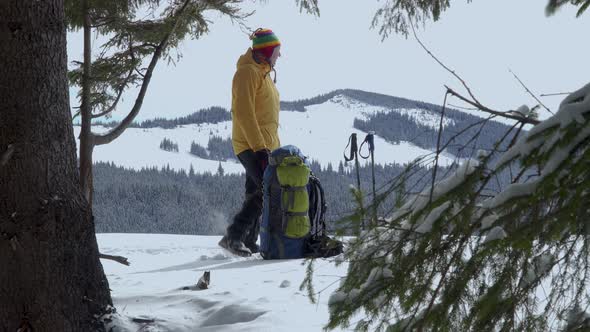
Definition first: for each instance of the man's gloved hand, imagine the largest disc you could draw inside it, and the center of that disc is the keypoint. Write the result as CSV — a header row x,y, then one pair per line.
x,y
262,159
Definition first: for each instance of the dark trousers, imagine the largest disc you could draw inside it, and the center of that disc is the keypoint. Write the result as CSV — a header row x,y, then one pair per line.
x,y
246,223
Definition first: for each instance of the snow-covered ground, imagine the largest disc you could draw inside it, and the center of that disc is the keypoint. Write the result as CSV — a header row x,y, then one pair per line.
x,y
321,132
245,294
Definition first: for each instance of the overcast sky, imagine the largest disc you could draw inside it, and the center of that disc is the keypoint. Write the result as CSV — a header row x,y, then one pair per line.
x,y
481,40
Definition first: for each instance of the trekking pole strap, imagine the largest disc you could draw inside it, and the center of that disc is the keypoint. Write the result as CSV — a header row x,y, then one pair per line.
x,y
324,208
353,148
370,141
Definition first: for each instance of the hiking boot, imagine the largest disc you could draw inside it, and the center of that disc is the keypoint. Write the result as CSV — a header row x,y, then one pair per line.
x,y
235,246
254,248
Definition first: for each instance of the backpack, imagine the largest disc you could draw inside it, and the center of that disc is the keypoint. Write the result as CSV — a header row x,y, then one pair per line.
x,y
293,223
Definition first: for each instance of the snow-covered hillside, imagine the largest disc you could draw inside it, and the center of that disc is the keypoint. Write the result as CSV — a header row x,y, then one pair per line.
x,y
321,132
138,148
245,294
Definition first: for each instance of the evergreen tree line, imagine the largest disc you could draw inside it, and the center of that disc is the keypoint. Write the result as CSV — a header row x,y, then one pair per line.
x,y
166,201
168,145
459,133
213,114
198,150
218,148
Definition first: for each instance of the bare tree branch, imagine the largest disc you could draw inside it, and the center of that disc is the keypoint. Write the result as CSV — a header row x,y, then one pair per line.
x,y
438,151
139,72
530,93
463,107
474,102
77,114
118,259
555,94
443,65
491,111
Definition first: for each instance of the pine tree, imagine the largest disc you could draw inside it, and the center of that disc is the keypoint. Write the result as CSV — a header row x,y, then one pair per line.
x,y
50,275
456,257
137,32
198,150
168,145
220,170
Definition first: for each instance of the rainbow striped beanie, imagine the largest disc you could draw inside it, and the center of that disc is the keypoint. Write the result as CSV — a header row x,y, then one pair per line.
x,y
264,41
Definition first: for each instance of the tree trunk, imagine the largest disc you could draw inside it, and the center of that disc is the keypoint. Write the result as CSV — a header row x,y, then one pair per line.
x,y
86,141
86,149
51,278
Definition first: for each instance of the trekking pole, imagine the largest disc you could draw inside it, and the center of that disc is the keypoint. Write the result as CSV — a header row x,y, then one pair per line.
x,y
354,156
369,139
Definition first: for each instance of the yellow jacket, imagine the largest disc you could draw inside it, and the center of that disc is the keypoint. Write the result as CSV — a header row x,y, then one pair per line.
x,y
255,107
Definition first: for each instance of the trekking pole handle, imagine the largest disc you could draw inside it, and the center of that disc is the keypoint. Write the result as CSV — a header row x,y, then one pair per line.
x,y
370,139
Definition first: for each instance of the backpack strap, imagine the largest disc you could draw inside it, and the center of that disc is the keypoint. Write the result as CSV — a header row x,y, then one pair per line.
x,y
296,214
319,210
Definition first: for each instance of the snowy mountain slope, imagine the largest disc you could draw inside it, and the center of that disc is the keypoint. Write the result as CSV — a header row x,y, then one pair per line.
x,y
245,294
421,116
321,132
138,148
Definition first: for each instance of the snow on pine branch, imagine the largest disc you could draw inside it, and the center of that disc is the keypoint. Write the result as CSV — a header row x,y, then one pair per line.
x,y
547,141
416,204
571,109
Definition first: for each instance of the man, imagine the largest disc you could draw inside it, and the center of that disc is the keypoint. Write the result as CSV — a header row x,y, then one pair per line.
x,y
255,120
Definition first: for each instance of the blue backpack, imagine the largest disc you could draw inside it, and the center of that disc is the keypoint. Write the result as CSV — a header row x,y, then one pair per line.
x,y
293,212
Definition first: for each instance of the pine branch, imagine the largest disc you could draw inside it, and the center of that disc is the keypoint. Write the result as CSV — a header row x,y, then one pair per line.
x,y
117,131
121,88
116,102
